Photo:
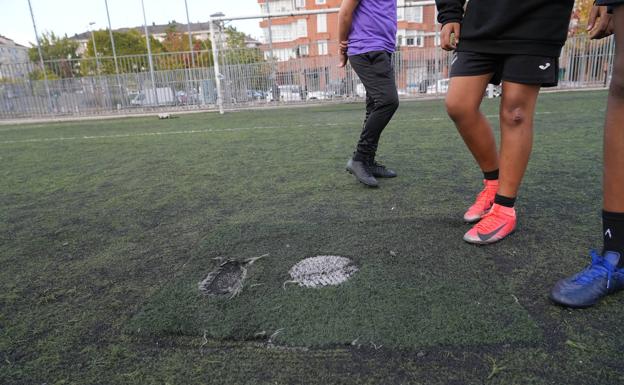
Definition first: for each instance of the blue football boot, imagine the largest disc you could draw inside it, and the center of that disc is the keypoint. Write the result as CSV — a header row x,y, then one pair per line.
x,y
584,289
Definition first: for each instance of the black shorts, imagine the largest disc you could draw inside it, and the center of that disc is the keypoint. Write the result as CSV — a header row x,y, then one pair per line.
x,y
609,2
524,69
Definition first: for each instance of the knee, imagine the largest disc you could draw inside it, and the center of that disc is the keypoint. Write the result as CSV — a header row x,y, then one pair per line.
x,y
457,109
513,115
394,103
390,102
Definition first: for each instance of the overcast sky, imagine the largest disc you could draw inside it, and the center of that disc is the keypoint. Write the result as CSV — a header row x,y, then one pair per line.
x,y
73,16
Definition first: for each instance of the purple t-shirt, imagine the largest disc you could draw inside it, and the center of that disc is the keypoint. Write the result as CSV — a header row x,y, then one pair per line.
x,y
374,27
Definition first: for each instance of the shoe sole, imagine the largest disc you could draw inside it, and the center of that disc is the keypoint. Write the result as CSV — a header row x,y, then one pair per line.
x,y
473,220
488,242
361,181
571,306
385,177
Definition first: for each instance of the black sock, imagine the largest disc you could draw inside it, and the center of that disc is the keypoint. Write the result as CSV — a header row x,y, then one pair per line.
x,y
490,175
504,201
613,232
359,157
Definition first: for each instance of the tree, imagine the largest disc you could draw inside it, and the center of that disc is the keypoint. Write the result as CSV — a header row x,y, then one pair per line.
x,y
579,59
580,15
177,42
37,74
238,52
131,42
59,54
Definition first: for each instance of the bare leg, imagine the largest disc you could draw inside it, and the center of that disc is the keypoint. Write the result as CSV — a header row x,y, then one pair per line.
x,y
614,126
516,121
462,104
571,291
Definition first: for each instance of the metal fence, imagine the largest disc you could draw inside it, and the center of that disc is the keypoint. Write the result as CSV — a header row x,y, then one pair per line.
x,y
248,78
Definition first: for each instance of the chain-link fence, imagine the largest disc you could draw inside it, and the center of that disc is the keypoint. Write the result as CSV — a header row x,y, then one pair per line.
x,y
248,77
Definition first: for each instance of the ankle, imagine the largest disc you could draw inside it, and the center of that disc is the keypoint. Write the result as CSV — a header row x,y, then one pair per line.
x,y
613,232
491,175
504,201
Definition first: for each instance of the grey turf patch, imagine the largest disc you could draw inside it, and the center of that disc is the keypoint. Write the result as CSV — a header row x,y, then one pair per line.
x,y
324,270
227,279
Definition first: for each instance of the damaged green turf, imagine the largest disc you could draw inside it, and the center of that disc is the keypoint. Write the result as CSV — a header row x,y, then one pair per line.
x,y
414,298
108,226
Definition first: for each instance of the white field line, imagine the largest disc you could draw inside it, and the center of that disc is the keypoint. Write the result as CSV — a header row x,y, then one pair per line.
x,y
188,132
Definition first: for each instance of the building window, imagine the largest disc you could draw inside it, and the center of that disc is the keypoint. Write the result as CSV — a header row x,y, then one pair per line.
x,y
414,14
304,50
322,47
278,6
281,54
320,1
321,23
287,32
281,33
302,28
300,3
415,41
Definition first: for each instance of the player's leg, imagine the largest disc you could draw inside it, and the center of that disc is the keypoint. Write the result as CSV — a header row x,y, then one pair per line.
x,y
377,75
463,101
462,104
614,127
516,120
605,274
370,106
470,75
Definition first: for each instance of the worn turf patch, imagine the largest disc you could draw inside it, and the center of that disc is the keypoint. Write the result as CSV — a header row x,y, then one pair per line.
x,y
95,231
322,270
430,291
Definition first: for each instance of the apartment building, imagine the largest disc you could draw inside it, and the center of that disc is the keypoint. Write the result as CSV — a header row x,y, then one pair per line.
x,y
11,54
316,35
305,46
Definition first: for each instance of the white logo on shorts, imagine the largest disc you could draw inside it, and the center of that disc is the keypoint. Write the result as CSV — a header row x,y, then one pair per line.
x,y
454,59
544,67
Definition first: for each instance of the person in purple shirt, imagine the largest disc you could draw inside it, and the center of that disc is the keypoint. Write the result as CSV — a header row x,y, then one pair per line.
x,y
367,32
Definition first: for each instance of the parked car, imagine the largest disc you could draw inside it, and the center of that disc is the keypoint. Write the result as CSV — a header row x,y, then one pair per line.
x,y
319,95
286,93
185,98
439,87
151,97
256,94
497,91
420,87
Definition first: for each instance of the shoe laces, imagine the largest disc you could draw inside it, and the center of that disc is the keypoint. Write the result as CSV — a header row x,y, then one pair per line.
x,y
489,222
596,269
377,164
483,198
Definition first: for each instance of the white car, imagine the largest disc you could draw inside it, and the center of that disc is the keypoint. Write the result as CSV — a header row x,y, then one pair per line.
x,y
147,97
287,93
439,87
318,95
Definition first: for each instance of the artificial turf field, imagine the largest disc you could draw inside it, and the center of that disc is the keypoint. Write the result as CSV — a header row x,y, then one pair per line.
x,y
106,228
